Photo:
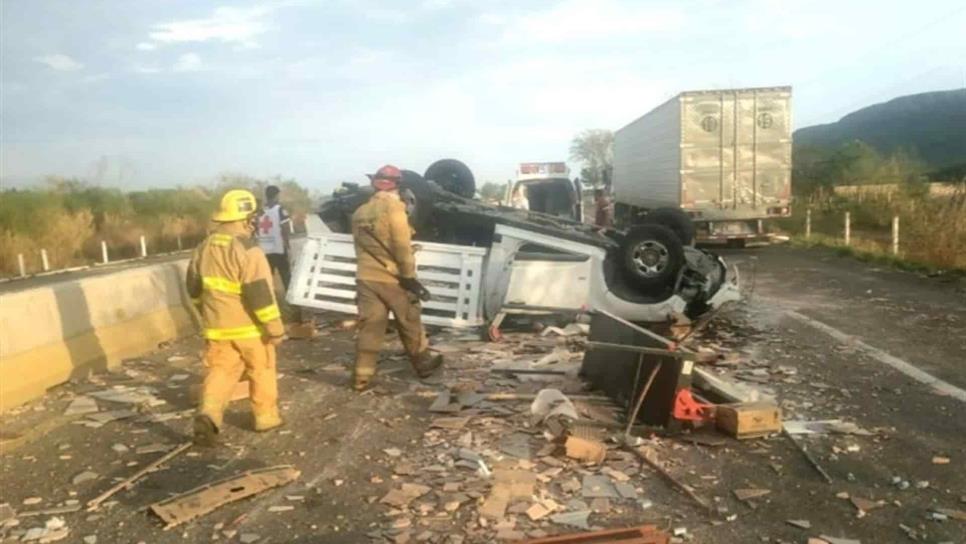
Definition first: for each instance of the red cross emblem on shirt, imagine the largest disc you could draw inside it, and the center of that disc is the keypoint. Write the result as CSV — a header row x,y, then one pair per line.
x,y
265,224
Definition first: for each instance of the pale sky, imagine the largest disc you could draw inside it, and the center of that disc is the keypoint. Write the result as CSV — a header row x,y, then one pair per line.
x,y
137,93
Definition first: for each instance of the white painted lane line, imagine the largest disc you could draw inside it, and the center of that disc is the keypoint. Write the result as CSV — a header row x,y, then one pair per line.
x,y
939,386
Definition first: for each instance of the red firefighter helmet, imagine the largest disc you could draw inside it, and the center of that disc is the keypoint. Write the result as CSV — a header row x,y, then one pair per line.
x,y
386,178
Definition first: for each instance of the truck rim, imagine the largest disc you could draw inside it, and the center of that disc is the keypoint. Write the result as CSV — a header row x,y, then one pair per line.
x,y
650,258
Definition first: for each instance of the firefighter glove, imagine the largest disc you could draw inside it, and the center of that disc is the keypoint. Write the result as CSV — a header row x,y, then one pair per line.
x,y
413,286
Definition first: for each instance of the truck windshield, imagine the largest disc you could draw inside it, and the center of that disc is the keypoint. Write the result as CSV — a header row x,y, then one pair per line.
x,y
551,196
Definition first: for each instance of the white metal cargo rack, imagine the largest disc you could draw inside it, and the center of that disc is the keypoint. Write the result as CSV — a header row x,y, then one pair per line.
x,y
325,279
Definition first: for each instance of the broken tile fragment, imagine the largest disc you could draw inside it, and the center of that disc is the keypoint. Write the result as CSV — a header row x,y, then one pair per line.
x,y
864,505
81,406
626,490
516,445
537,511
595,486
451,423
752,493
575,519
834,540
84,476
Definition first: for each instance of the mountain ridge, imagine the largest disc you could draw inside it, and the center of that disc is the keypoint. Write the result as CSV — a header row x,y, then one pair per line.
x,y
931,126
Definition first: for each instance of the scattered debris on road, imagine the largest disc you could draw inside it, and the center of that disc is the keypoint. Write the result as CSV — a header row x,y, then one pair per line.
x,y
206,498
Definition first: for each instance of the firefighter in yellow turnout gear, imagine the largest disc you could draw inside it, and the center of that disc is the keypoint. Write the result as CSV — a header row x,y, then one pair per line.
x,y
230,282
386,280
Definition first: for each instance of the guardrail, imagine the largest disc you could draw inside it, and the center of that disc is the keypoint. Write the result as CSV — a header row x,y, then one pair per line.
x,y
847,230
104,260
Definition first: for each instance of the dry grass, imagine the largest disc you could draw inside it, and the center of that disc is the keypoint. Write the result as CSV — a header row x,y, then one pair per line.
x,y
932,230
63,238
70,219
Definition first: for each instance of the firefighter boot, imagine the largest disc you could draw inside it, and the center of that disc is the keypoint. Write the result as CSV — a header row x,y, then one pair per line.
x,y
206,433
427,363
364,370
267,422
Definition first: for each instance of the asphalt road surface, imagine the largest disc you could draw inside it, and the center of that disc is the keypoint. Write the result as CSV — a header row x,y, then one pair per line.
x,y
831,337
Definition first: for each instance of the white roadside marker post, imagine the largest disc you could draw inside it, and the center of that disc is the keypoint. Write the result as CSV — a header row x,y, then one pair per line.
x,y
104,252
848,228
20,264
144,247
895,235
44,260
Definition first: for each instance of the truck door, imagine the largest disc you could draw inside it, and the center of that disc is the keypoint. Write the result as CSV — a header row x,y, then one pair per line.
x,y
707,153
764,149
735,150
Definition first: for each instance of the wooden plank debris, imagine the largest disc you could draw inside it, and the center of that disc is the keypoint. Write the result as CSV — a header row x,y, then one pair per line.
x,y
96,502
645,534
206,498
808,456
650,458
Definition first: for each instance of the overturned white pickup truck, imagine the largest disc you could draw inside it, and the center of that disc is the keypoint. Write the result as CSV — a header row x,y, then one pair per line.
x,y
481,262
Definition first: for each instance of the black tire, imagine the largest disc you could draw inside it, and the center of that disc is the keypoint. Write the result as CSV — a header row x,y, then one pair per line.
x,y
652,256
454,176
674,219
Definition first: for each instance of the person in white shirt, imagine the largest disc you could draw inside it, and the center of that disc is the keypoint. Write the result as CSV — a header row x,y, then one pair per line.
x,y
519,198
273,233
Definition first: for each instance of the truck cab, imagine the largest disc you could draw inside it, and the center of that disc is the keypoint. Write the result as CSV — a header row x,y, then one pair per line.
x,y
546,187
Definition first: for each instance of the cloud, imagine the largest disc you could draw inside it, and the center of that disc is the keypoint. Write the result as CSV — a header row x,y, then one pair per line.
x,y
147,69
436,4
229,25
189,62
60,62
146,46
386,15
492,19
589,20
94,78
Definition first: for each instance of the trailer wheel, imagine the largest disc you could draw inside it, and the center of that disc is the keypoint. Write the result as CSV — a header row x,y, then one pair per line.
x,y
454,176
674,219
653,256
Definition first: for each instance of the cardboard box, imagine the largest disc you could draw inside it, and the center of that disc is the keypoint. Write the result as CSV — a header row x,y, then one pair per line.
x,y
749,419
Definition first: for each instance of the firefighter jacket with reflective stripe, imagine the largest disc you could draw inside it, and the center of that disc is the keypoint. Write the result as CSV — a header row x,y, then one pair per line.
x,y
231,285
381,232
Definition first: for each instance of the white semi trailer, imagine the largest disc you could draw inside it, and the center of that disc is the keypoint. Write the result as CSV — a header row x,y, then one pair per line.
x,y
723,157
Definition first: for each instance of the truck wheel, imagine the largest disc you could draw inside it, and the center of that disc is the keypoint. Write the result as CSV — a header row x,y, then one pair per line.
x,y
454,176
674,219
653,256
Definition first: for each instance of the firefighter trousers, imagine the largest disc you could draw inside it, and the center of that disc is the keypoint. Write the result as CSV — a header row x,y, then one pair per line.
x,y
375,300
226,361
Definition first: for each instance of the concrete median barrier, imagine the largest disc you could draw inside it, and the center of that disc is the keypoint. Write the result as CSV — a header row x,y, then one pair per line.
x,y
53,333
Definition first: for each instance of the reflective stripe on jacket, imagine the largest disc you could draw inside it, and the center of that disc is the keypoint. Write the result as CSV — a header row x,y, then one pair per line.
x,y
231,284
383,218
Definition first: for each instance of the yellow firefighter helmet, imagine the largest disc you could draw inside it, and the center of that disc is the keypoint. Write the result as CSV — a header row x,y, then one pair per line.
x,y
236,205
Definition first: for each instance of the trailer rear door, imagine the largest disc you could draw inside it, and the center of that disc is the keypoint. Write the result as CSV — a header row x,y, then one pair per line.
x,y
736,152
